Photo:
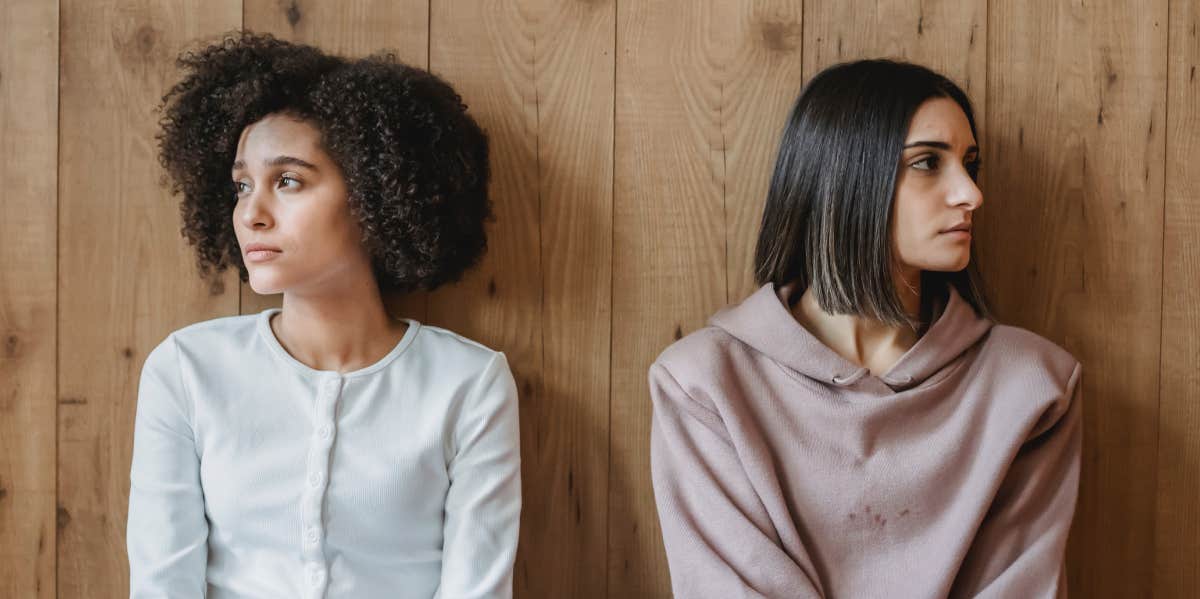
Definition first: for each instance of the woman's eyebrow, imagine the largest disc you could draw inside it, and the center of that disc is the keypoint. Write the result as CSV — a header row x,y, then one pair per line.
x,y
278,161
941,145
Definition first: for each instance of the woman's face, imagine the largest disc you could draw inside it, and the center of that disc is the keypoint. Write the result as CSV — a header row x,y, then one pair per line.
x,y
291,199
936,190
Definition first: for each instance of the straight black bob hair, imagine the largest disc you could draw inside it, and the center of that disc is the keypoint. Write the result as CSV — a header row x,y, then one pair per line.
x,y
828,215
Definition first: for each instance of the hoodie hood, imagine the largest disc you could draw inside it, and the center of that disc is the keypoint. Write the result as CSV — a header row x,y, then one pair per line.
x,y
764,322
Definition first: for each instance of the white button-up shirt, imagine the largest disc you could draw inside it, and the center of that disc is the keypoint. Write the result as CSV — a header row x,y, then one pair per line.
x,y
256,476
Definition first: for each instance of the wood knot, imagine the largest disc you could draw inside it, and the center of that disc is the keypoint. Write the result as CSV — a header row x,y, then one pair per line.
x,y
140,47
293,13
145,39
780,37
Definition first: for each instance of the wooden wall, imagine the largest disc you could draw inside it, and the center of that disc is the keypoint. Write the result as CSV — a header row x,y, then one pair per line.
x,y
632,142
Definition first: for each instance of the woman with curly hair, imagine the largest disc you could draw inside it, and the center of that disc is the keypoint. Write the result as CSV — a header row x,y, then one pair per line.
x,y
860,426
323,449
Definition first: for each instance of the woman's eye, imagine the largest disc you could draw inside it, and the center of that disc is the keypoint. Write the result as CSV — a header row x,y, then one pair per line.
x,y
239,186
928,163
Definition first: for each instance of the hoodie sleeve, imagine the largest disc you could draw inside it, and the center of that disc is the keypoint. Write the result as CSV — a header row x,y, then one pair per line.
x,y
1020,547
719,538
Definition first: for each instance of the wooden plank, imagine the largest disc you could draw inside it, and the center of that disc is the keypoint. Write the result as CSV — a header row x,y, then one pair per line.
x,y
482,50
669,240
1076,98
565,423
126,277
949,37
1177,546
537,75
28,301
766,58
354,28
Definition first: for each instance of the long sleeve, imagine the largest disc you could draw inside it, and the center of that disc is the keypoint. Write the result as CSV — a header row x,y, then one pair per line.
x,y
483,503
167,532
1020,547
719,539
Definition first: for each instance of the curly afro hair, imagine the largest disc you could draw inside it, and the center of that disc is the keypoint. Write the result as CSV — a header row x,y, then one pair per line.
x,y
415,163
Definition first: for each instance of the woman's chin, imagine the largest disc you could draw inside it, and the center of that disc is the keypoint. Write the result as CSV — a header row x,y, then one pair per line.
x,y
265,286
948,264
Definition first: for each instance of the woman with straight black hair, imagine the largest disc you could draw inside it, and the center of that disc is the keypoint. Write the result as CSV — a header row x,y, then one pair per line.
x,y
860,426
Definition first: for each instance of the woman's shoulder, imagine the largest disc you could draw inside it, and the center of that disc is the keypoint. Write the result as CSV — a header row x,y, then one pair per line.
x,y
1024,353
448,360
226,331
698,351
446,346
1013,338
221,334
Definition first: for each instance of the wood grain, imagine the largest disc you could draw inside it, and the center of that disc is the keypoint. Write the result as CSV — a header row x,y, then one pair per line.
x,y
353,29
126,277
28,300
632,143
1177,542
1076,98
669,245
487,51
565,423
765,58
949,37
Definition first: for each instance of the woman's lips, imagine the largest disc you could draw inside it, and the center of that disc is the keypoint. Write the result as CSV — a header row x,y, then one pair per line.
x,y
261,255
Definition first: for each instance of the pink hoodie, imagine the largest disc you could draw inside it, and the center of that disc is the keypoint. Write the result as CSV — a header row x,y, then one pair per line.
x,y
782,469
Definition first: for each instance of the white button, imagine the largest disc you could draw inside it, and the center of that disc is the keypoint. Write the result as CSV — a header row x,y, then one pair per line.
x,y
325,431
313,535
314,479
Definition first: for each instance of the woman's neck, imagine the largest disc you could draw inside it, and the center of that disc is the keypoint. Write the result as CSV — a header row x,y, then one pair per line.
x,y
341,328
862,340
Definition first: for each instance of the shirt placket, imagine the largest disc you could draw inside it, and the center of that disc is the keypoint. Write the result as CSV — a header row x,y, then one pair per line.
x,y
316,569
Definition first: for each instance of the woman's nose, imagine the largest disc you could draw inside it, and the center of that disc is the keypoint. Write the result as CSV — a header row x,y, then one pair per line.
x,y
255,213
967,193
